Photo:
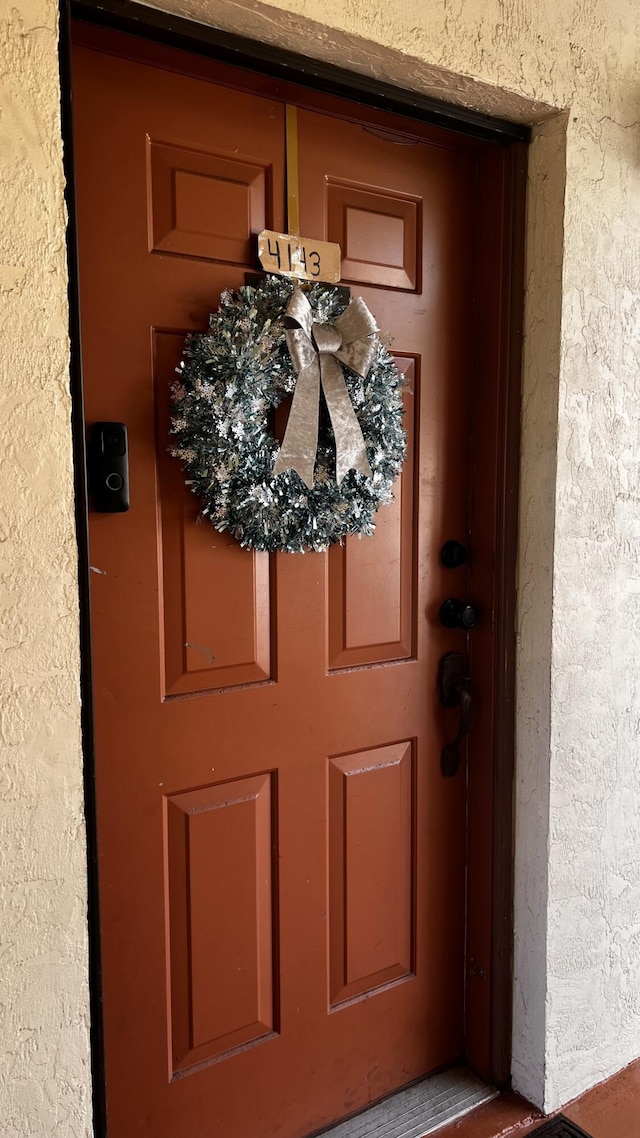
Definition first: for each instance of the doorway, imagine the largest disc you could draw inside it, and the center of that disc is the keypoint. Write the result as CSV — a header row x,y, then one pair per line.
x,y
298,906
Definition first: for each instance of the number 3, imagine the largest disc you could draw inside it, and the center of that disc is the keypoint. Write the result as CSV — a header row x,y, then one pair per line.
x,y
315,271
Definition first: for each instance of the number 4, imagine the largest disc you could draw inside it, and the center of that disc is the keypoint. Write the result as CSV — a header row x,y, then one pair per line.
x,y
274,252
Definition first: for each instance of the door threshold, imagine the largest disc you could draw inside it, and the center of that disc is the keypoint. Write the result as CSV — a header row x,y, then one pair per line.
x,y
420,1109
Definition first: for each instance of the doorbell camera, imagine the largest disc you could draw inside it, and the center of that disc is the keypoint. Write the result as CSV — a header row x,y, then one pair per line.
x,y
109,468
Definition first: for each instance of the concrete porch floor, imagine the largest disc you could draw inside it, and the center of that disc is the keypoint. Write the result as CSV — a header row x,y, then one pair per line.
x,y
610,1110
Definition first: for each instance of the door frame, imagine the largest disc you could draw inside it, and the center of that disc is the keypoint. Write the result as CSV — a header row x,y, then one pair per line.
x,y
491,802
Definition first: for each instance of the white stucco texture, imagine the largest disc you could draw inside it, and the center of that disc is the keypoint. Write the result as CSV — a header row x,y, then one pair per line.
x,y
572,69
44,1055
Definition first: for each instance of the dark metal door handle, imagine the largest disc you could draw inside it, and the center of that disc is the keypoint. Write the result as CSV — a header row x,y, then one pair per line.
x,y
458,614
455,691
453,554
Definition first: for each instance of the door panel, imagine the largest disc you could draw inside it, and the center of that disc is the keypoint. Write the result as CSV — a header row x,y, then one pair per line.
x,y
205,647
221,918
371,607
371,870
281,863
206,205
379,233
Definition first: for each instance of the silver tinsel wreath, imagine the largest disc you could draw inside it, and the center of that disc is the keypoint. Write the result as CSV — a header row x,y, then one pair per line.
x,y
231,379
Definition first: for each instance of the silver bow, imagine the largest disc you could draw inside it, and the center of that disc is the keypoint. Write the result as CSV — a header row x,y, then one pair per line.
x,y
317,350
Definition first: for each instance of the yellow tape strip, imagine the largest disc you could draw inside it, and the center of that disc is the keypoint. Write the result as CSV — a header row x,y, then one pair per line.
x,y
293,200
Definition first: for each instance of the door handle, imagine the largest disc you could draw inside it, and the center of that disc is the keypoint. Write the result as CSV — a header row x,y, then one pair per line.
x,y
458,614
453,554
454,686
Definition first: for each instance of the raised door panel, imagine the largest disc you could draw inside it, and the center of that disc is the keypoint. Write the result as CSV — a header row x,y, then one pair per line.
x,y
371,601
371,869
205,205
379,233
215,598
221,919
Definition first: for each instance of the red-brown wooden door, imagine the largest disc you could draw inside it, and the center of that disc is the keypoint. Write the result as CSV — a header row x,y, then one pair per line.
x,y
281,862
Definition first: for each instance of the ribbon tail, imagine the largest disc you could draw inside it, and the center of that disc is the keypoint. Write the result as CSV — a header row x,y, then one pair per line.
x,y
351,453
300,442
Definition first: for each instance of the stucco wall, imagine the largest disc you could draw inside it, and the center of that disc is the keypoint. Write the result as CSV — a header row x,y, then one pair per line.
x,y
577,983
44,1072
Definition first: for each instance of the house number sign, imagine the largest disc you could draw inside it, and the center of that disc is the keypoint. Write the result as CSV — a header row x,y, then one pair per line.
x,y
300,257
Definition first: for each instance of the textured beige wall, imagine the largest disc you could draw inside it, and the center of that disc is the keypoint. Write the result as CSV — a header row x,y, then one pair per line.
x,y
577,983
44,1073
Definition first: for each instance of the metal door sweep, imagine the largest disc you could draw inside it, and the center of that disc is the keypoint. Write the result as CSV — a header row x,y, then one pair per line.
x,y
420,1109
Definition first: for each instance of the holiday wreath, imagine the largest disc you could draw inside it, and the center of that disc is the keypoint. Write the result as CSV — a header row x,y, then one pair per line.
x,y
338,460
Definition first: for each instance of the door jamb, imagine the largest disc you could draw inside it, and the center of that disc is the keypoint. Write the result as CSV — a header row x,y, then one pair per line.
x,y
154,25
79,449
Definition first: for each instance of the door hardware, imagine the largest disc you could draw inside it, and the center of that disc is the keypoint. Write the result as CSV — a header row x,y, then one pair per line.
x,y
455,691
109,468
458,614
453,554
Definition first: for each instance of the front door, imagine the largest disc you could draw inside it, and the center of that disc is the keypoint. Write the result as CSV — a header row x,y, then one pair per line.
x,y
282,864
